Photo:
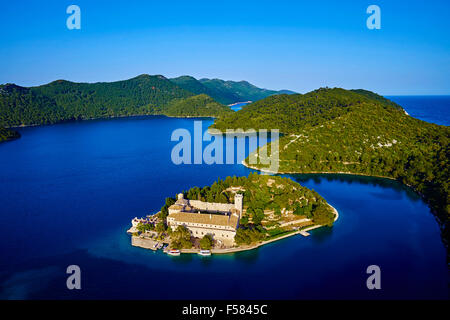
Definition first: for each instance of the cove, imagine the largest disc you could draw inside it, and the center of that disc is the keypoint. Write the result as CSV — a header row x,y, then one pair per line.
x,y
68,192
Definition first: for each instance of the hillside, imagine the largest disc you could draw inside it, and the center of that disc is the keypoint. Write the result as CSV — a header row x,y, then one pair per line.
x,y
64,100
225,92
291,112
197,106
228,92
196,87
341,131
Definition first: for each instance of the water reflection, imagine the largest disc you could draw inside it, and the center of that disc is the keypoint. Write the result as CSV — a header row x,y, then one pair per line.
x,y
364,180
322,234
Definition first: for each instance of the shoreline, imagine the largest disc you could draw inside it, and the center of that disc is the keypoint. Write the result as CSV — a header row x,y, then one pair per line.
x,y
260,244
318,172
435,212
104,118
236,103
339,172
141,243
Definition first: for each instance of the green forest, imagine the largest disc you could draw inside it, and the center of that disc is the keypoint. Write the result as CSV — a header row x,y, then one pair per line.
x,y
261,192
6,134
355,131
197,106
64,101
225,92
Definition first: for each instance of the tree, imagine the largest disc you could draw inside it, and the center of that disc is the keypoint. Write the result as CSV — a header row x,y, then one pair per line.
x,y
160,227
165,209
257,216
181,237
142,227
248,235
322,215
206,242
244,220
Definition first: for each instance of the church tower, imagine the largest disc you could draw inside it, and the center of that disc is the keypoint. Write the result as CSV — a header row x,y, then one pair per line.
x,y
238,203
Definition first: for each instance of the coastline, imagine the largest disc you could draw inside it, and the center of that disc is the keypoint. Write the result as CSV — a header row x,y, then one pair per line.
x,y
441,218
143,244
236,103
83,119
317,172
104,118
260,244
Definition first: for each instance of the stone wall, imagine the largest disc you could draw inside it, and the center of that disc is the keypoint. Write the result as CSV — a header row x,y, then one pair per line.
x,y
143,243
226,236
210,206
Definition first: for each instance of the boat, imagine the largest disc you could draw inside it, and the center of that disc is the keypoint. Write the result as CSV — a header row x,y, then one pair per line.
x,y
174,252
204,252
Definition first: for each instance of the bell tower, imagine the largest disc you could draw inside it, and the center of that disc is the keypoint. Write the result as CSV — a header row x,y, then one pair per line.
x,y
238,203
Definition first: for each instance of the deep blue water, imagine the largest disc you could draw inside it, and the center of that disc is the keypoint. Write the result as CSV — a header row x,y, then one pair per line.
x,y
433,109
68,192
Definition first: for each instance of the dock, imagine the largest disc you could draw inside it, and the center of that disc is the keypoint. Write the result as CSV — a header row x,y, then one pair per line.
x,y
146,243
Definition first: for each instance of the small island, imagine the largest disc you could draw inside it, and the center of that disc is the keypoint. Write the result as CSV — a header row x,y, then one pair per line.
x,y
231,215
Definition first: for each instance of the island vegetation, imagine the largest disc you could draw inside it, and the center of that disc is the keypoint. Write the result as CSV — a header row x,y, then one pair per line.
x,y
358,132
197,106
6,134
274,206
226,92
63,100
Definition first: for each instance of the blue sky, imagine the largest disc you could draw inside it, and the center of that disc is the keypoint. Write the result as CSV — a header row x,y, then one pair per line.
x,y
297,45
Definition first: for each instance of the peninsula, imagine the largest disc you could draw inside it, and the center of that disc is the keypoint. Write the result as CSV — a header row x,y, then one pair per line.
x,y
333,130
235,214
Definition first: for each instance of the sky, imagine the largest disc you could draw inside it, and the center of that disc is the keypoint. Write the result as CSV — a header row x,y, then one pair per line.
x,y
296,45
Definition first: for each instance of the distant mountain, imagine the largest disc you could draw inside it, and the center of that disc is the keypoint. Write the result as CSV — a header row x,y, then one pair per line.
x,y
226,92
193,85
64,100
200,105
286,92
239,91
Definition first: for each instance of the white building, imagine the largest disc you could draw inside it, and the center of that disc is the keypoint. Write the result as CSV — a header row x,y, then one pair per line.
x,y
217,219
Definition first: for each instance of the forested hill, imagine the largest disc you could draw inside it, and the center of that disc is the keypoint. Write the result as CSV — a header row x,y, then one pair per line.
x,y
197,106
64,100
290,113
6,134
242,90
226,92
342,131
193,85
265,199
